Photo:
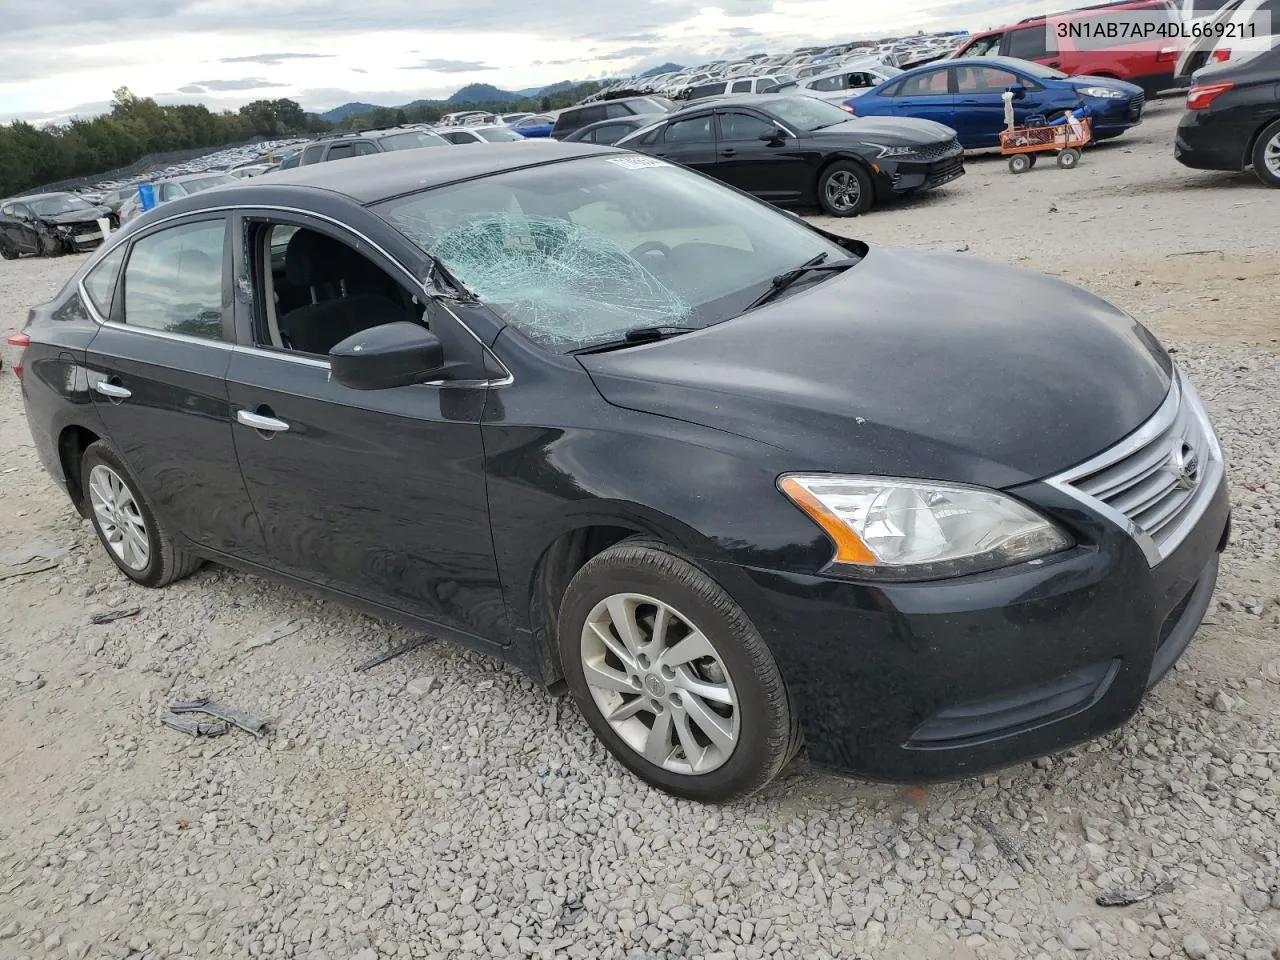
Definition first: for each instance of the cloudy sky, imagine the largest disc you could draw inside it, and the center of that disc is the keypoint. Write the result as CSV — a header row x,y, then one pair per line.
x,y
64,57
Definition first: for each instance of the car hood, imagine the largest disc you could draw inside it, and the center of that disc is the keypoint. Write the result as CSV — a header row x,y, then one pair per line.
x,y
74,216
1128,89
910,364
895,130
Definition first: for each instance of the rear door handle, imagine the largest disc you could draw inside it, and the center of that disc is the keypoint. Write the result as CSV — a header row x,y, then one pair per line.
x,y
113,390
260,422
728,151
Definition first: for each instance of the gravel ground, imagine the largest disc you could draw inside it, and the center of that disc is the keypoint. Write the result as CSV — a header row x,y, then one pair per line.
x,y
440,805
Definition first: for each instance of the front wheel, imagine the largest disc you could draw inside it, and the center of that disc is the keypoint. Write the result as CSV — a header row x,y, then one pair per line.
x,y
845,189
1068,158
1019,163
7,252
672,676
1266,156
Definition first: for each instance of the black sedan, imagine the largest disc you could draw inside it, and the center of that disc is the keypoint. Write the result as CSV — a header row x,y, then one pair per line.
x,y
731,479
1233,118
47,224
801,150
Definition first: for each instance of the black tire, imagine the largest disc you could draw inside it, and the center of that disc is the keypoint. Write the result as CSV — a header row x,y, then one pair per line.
x,y
1069,158
166,560
1019,163
857,175
1031,158
7,253
1267,147
768,734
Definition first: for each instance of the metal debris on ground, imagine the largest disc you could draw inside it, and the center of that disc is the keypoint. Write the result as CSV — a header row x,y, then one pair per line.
x,y
237,718
391,654
1124,898
281,630
188,724
1008,849
111,616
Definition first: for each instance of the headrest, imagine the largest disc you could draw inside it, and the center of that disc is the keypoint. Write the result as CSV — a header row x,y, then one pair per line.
x,y
312,259
198,266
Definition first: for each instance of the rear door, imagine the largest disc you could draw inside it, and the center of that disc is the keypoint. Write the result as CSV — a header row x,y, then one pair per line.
x,y
772,170
690,141
157,375
926,95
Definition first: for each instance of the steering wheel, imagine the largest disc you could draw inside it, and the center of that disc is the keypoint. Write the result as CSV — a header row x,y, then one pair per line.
x,y
651,246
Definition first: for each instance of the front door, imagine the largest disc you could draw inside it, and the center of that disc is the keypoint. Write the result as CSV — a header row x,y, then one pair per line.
x,y
980,103
379,494
691,142
157,377
770,169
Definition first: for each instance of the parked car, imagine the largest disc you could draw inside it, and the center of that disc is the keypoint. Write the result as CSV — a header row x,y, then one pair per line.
x,y
510,118
967,96
575,118
487,134
536,126
720,88
674,486
1238,18
1088,51
46,224
800,150
175,187
249,170
610,131
1232,119
840,84
366,143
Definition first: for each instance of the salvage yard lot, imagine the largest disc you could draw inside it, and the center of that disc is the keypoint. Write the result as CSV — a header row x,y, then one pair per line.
x,y
440,805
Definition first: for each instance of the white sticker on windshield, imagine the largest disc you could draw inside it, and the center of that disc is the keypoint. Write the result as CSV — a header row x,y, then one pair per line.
x,y
636,162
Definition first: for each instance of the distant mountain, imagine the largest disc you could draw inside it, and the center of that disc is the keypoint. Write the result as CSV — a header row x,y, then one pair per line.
x,y
338,114
482,93
664,68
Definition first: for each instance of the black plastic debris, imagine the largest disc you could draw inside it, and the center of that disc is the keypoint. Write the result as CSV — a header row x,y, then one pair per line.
x,y
394,652
1125,898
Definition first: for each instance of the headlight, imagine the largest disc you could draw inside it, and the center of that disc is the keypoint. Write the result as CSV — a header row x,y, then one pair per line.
x,y
1106,93
892,151
919,530
63,229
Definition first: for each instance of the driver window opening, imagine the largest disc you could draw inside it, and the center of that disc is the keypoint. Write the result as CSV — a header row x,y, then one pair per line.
x,y
314,291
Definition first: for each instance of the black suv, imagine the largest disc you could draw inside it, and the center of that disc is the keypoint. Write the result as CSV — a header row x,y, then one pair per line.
x,y
367,142
575,118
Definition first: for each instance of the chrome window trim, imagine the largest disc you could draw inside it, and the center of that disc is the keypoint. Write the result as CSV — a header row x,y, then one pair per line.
x,y
1180,391
277,208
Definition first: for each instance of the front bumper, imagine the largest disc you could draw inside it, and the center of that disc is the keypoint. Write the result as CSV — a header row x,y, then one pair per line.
x,y
919,682
906,176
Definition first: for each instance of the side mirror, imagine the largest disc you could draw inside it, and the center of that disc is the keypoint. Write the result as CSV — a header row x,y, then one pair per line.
x,y
1018,91
390,355
776,135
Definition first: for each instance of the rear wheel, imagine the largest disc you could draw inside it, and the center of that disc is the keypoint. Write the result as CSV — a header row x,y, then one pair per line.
x,y
134,539
672,676
1266,155
845,189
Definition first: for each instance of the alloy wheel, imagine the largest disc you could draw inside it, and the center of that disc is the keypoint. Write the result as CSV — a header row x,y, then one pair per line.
x,y
843,190
660,683
1271,155
119,519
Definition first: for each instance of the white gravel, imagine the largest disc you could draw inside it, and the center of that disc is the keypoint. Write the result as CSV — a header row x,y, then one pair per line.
x,y
440,805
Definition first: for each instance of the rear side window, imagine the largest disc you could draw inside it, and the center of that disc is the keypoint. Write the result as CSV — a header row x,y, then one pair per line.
x,y
706,90
983,46
365,149
173,280
1031,43
340,151
741,86
613,111
312,153
100,282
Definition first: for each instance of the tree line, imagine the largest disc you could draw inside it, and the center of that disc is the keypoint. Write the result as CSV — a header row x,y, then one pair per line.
x,y
137,126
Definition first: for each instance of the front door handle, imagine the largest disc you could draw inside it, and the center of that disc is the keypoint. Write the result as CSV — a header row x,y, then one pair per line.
x,y
113,390
260,422
728,151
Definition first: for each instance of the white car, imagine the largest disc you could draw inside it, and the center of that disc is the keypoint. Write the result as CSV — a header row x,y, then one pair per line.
x,y
1235,17
490,133
847,80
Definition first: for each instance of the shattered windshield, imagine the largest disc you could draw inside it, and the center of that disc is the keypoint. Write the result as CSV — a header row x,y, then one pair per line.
x,y
576,253
54,206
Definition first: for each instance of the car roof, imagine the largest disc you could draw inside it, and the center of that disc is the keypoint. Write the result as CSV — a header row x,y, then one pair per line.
x,y
738,99
371,179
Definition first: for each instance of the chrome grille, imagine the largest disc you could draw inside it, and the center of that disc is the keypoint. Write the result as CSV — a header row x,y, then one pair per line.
x,y
1157,481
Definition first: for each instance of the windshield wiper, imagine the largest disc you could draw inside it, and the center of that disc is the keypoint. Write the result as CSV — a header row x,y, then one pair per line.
x,y
637,335
784,280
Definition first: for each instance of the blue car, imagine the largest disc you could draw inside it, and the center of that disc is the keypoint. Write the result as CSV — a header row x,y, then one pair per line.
x,y
538,126
965,95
